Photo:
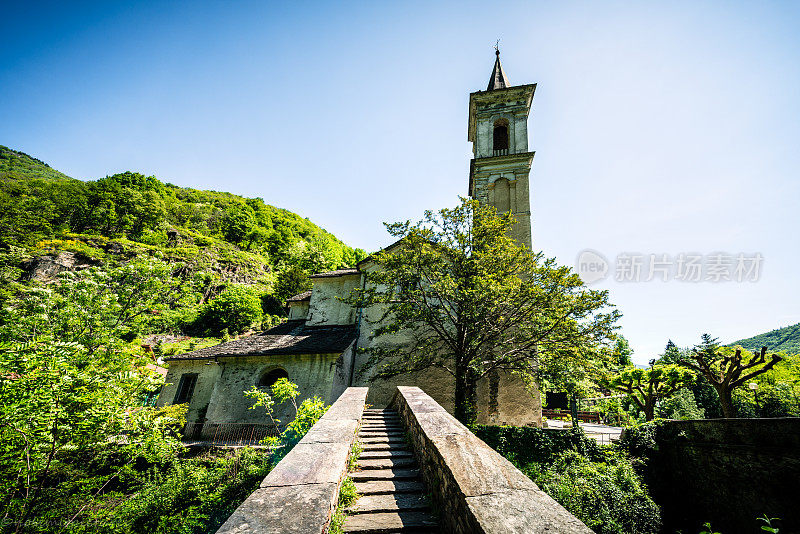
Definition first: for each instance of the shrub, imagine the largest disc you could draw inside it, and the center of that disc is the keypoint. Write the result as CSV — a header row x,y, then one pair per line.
x,y
607,496
234,310
526,445
682,405
598,484
193,496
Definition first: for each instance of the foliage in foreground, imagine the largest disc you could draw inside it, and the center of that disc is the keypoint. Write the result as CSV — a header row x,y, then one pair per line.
x,y
115,493
596,484
305,415
608,496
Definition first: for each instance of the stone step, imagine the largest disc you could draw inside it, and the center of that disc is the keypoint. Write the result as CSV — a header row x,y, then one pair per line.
x,y
379,410
384,474
378,487
384,446
393,453
381,523
389,503
382,420
377,433
381,439
385,463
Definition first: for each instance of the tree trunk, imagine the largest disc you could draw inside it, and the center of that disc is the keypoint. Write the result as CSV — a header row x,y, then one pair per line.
x,y
726,401
649,410
465,394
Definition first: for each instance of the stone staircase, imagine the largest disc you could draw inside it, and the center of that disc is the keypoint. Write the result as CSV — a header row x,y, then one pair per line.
x,y
392,495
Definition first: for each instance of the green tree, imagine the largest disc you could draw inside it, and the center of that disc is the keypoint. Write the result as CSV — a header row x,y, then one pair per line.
x,y
622,352
305,415
726,369
291,281
648,386
472,302
66,377
237,225
235,310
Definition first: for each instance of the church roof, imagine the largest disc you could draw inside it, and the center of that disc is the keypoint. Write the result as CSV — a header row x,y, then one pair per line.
x,y
288,338
305,295
338,272
498,79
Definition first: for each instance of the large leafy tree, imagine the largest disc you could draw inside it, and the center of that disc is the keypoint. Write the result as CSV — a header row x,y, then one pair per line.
x,y
726,368
68,383
646,387
467,299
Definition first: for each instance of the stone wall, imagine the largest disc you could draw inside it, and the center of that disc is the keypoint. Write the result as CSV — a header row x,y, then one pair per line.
x,y
300,493
475,488
728,472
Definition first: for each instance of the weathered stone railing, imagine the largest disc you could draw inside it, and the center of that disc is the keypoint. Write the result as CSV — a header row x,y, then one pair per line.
x,y
299,494
474,487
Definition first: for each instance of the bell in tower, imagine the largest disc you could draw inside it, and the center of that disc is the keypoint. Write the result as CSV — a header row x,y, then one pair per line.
x,y
501,165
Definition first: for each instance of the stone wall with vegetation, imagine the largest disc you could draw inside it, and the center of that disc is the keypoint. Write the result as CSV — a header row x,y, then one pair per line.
x,y
474,487
727,472
300,493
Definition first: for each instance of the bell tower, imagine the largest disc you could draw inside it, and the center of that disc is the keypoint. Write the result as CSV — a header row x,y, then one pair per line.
x,y
501,165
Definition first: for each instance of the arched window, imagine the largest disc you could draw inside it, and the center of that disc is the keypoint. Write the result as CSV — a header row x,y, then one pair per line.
x,y
500,138
270,377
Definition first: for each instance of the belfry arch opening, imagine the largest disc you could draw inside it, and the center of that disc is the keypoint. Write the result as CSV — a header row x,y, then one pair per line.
x,y
500,138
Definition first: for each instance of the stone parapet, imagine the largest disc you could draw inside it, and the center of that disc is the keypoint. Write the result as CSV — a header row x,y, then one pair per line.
x,y
300,493
728,472
475,488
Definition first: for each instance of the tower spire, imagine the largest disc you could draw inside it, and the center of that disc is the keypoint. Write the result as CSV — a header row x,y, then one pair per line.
x,y
498,79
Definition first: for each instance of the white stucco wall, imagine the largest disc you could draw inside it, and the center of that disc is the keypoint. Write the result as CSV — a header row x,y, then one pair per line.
x,y
220,386
325,307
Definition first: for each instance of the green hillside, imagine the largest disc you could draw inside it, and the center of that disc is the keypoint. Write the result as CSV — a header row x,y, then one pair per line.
x,y
43,210
18,165
782,339
214,241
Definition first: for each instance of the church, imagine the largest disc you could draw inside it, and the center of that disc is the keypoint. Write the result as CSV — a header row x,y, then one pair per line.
x,y
316,347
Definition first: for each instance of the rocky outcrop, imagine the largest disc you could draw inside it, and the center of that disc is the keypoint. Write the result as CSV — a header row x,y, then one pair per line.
x,y
46,268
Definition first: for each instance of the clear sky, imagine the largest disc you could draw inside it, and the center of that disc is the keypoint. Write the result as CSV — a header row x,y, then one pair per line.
x,y
659,128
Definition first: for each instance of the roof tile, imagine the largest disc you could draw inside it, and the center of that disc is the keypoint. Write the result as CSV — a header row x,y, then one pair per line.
x,y
290,337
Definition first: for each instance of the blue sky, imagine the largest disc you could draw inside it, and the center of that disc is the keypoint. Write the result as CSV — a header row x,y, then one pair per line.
x,y
659,128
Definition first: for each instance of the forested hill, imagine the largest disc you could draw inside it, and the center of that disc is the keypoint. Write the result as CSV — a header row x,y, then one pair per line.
x,y
225,253
782,339
43,210
18,165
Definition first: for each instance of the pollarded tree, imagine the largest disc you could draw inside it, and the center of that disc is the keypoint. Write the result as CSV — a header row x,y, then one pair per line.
x,y
467,299
648,386
726,369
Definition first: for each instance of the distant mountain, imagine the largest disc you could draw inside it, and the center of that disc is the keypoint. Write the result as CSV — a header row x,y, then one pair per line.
x,y
782,339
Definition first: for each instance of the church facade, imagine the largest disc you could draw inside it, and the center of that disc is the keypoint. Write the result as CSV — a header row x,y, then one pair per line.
x,y
316,347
